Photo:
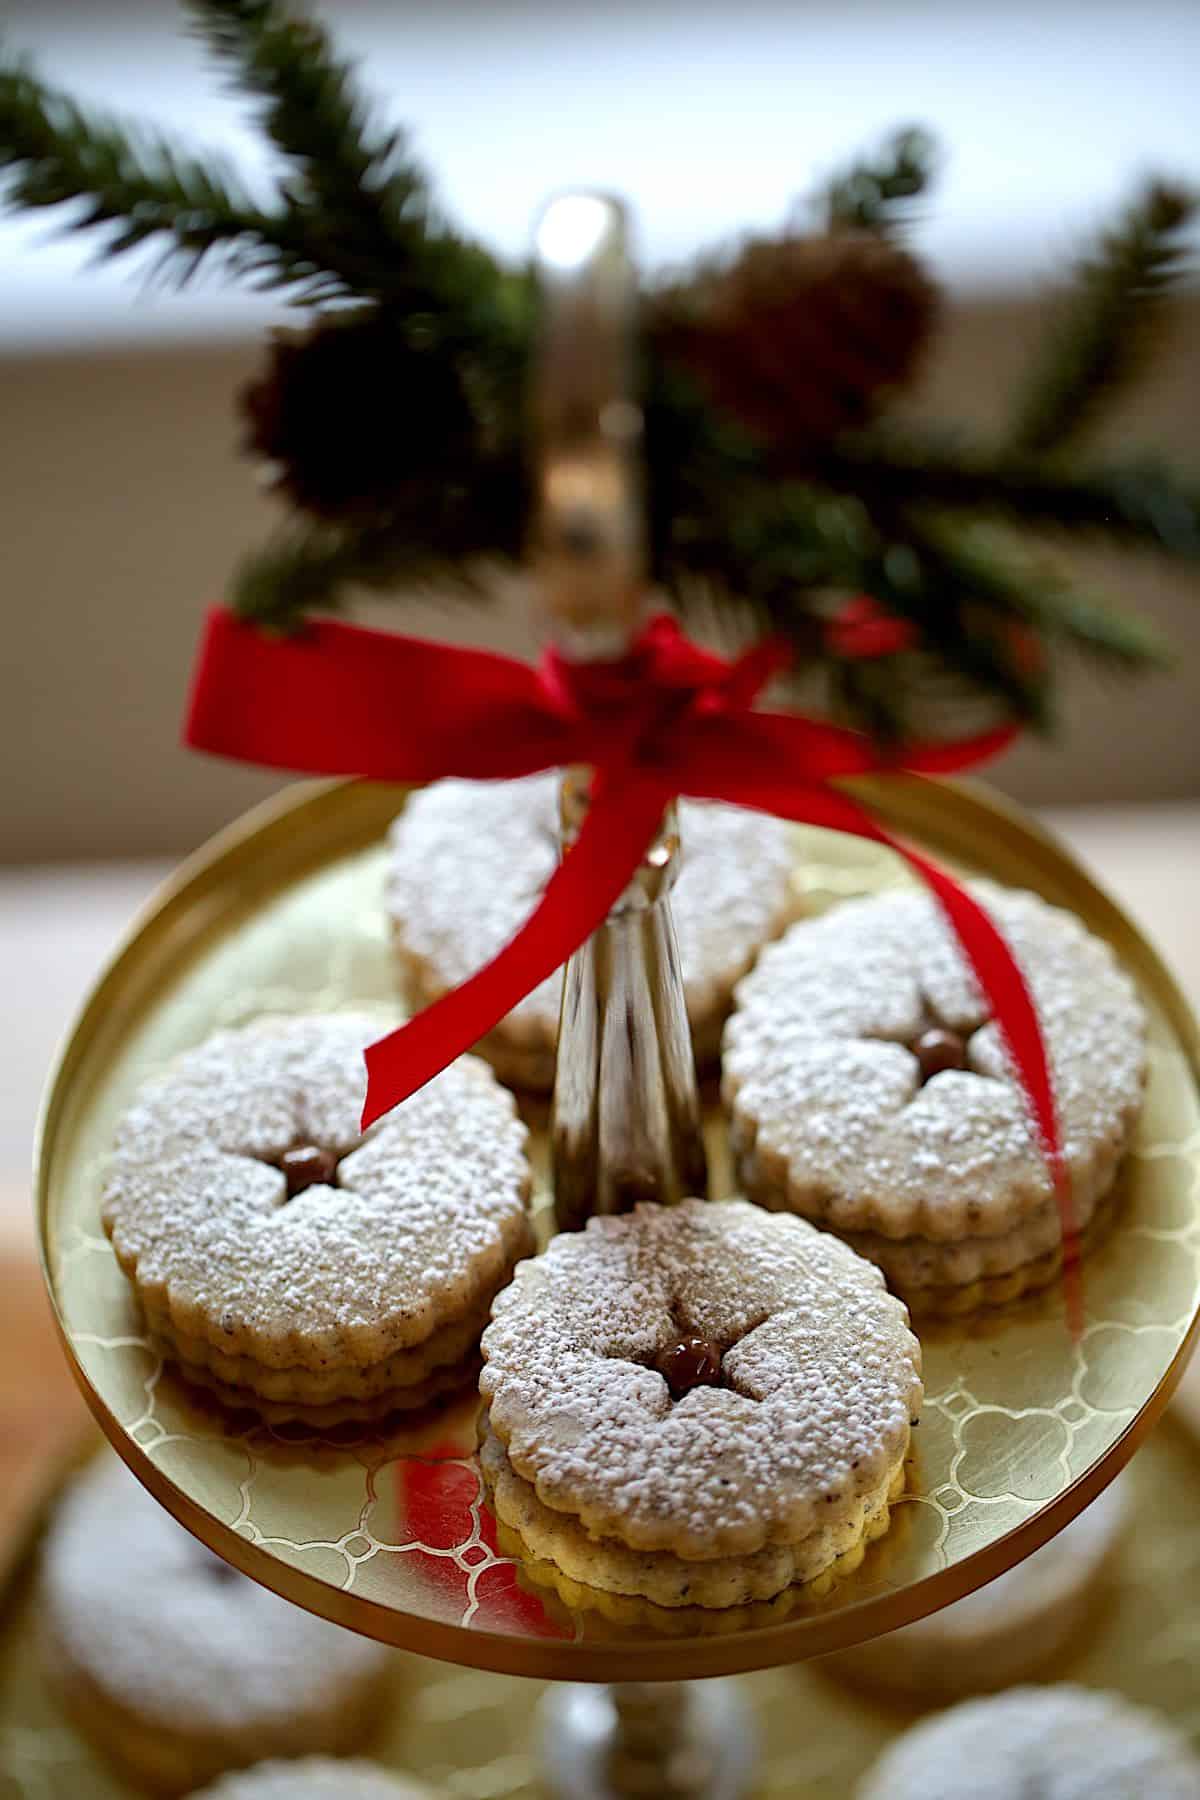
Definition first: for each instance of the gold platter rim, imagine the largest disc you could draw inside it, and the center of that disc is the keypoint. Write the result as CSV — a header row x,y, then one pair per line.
x,y
948,817
845,1710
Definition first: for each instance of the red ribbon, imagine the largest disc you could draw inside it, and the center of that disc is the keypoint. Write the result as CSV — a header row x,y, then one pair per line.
x,y
667,719
862,631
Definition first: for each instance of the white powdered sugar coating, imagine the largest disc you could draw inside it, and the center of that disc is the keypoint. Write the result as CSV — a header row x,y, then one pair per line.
x,y
820,1378
1038,1743
167,1633
920,1262
659,1576
829,1113
469,860
429,1207
316,1778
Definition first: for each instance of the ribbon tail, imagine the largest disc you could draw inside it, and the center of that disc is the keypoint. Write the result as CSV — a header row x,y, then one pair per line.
x,y
998,974
1013,1010
618,828
759,751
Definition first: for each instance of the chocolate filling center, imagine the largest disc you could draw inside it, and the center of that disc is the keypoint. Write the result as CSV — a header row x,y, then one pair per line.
x,y
690,1362
937,1050
307,1165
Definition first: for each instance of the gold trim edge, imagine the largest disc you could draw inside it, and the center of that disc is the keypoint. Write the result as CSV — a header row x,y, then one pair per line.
x,y
279,826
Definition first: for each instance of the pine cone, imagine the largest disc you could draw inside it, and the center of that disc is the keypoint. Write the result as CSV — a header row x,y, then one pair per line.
x,y
335,410
801,338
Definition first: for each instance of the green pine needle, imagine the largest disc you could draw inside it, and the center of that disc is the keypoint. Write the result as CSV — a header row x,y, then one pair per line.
x,y
359,179
926,528
876,193
298,573
1139,503
1103,331
354,182
988,571
444,536
134,185
311,108
137,187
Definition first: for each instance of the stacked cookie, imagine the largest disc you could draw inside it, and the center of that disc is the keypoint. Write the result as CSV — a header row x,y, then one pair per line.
x,y
870,1091
176,1666
452,908
1007,1631
1055,1743
696,1406
289,1264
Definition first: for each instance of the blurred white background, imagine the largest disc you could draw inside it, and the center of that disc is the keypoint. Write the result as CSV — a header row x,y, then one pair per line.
x,y
709,116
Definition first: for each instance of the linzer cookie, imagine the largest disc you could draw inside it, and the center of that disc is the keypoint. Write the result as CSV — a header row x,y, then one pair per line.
x,y
1007,1631
176,1666
316,1778
870,1091
697,1405
559,1539
288,1263
1055,1743
452,910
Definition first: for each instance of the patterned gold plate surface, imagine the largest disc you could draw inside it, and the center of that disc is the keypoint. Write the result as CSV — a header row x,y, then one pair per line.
x,y
474,1734
1021,1427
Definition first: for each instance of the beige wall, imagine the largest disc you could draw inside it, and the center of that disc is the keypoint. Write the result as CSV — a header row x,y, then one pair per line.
x,y
123,505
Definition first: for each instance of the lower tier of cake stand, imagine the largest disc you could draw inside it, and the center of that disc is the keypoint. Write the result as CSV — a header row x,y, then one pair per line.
x,y
479,1736
693,1740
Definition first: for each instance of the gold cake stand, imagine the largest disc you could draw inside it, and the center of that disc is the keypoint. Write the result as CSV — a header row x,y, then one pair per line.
x,y
390,1534
468,1733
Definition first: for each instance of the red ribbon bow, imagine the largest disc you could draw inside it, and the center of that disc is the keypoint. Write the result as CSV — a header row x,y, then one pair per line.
x,y
667,719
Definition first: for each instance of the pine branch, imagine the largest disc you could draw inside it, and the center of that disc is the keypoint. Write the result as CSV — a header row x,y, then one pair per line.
x,y
443,536
899,519
142,188
1016,587
876,194
1139,503
1100,632
356,184
763,545
977,605
300,573
869,523
772,564
778,554
1103,330
965,626
137,187
310,106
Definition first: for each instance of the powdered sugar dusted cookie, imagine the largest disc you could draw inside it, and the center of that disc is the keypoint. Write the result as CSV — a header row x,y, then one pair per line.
x,y
605,1564
689,1619
701,1387
870,1090
173,1663
1004,1632
1058,1743
316,1778
469,859
290,1263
